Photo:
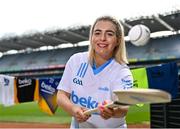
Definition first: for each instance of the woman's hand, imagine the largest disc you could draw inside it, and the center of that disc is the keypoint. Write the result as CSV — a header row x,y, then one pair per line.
x,y
78,114
107,113
74,110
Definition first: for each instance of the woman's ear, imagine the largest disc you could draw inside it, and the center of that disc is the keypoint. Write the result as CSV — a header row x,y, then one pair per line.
x,y
118,40
117,43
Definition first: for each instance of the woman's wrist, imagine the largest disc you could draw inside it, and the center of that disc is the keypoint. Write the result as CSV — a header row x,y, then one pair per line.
x,y
119,112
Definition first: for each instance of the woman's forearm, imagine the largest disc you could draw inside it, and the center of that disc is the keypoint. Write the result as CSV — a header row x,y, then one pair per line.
x,y
120,112
64,102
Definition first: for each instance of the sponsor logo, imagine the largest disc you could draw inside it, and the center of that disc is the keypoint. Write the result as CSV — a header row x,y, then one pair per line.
x,y
6,81
103,88
24,82
127,83
87,102
48,87
77,81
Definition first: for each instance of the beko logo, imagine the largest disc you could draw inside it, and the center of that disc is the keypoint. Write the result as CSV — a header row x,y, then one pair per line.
x,y
87,102
48,87
24,82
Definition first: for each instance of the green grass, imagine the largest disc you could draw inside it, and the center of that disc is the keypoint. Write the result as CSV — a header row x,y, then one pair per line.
x,y
138,114
30,112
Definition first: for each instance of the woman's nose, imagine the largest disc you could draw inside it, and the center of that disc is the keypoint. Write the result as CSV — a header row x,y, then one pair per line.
x,y
103,37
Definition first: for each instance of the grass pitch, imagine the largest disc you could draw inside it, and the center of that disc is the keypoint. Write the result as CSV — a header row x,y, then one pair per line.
x,y
30,112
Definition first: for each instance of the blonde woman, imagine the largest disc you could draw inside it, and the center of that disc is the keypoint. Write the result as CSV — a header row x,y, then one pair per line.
x,y
91,77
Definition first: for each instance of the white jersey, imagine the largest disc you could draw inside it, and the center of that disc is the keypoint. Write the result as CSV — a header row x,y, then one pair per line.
x,y
6,90
88,87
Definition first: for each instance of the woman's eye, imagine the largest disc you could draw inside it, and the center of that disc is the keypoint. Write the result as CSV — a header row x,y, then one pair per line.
x,y
110,34
97,33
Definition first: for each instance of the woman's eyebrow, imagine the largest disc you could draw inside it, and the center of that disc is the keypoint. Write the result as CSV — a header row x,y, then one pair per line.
x,y
106,30
110,31
97,30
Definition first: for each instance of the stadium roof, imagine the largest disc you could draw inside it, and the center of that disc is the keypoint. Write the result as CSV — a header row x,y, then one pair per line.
x,y
162,22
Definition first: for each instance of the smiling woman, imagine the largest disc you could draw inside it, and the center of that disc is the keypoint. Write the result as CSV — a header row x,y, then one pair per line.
x,y
91,77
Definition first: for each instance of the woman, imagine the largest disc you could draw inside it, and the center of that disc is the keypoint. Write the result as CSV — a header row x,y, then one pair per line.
x,y
91,77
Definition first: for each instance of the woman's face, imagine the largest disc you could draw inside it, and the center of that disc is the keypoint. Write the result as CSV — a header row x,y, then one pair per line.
x,y
104,39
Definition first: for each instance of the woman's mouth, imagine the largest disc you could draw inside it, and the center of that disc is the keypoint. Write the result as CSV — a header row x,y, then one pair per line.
x,y
102,45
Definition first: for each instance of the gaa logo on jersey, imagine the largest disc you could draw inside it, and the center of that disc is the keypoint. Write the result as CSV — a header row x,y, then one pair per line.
x,y
77,81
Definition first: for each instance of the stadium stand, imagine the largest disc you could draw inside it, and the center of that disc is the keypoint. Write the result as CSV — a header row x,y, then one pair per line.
x,y
157,50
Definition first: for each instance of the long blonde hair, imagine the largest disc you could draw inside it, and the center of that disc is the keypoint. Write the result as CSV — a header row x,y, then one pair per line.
x,y
119,53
